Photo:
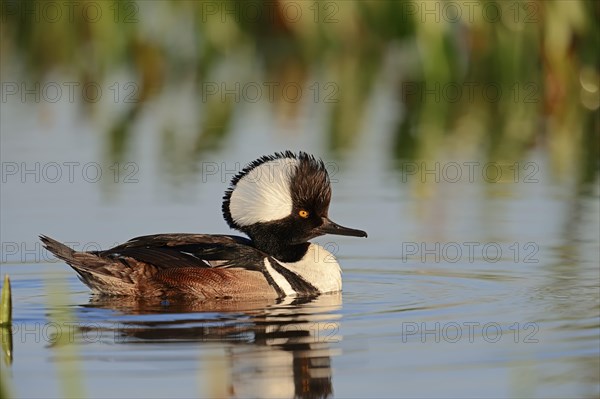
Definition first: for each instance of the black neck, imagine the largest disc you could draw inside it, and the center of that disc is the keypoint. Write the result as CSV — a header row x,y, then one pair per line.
x,y
284,253
276,242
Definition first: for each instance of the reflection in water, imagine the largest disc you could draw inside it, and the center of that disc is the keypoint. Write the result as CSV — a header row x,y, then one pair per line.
x,y
278,348
465,82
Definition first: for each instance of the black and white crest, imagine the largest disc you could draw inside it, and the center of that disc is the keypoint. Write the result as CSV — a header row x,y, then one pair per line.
x,y
271,187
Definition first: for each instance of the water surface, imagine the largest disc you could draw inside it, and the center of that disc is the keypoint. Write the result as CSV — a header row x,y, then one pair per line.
x,y
463,288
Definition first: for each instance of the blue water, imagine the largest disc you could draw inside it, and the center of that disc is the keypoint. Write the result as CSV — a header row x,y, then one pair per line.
x,y
464,288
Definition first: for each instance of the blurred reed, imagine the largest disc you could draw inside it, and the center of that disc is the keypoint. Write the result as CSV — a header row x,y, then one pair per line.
x,y
6,333
496,78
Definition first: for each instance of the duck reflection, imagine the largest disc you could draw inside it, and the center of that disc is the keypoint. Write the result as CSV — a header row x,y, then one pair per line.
x,y
277,348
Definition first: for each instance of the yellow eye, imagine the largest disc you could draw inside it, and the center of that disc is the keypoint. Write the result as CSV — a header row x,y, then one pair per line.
x,y
303,213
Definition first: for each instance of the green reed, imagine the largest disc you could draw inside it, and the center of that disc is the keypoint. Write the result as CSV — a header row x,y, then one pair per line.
x,y
527,71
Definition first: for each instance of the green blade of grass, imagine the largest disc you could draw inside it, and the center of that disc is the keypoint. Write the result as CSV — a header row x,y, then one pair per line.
x,y
6,303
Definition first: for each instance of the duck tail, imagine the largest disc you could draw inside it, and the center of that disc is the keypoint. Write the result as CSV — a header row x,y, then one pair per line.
x,y
59,249
102,275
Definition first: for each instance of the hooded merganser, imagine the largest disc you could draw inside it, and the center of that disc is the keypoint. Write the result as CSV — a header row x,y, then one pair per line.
x,y
280,201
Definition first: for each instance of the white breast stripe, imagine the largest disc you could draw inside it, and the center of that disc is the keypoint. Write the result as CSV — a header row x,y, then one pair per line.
x,y
319,267
279,279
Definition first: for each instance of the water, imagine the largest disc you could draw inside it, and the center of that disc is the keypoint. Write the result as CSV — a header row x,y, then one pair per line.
x,y
478,278
463,289
480,274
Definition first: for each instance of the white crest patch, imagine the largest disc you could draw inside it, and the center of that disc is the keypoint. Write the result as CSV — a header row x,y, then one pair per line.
x,y
263,194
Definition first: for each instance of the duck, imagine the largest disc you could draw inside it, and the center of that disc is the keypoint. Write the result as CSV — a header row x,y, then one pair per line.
x,y
280,202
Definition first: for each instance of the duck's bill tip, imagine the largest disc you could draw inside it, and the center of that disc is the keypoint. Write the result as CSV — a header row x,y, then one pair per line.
x,y
329,227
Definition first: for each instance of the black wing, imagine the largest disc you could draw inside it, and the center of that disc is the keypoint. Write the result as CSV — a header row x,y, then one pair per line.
x,y
189,250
